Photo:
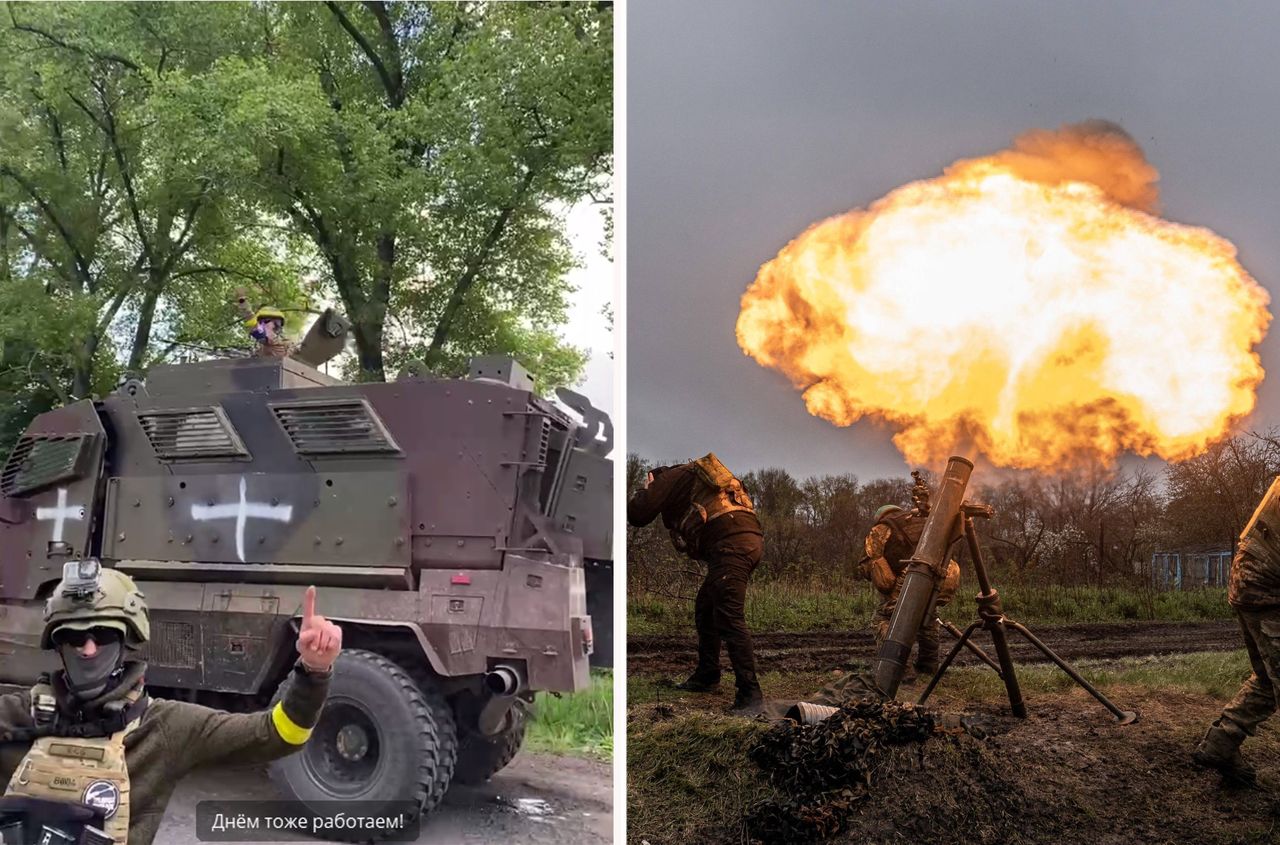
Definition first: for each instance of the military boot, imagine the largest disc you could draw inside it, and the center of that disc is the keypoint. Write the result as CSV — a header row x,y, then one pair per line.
x,y
696,684
1220,750
748,703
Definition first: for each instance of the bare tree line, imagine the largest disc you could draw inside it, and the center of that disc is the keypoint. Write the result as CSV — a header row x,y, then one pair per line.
x,y
1092,526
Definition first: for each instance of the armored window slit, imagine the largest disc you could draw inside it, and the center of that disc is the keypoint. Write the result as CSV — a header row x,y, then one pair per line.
x,y
41,460
341,427
192,433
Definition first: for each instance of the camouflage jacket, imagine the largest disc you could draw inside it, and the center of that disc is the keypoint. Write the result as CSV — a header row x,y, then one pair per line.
x,y
1255,578
277,348
175,737
887,575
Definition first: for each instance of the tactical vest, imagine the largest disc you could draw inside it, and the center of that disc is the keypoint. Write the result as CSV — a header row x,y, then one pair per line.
x,y
905,528
716,492
77,769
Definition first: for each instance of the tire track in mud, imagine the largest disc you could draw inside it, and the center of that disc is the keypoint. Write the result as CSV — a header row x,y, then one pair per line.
x,y
818,651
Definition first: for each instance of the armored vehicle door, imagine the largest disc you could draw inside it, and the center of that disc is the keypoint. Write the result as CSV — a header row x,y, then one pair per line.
x,y
50,485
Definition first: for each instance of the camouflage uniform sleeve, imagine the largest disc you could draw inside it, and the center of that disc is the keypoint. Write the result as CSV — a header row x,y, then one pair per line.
x,y
873,566
205,735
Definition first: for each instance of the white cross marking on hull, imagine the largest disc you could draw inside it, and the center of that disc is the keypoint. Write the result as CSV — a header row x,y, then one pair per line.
x,y
60,514
241,512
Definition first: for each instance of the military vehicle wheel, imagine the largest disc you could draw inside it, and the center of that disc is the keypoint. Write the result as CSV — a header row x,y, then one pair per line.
x,y
481,757
381,738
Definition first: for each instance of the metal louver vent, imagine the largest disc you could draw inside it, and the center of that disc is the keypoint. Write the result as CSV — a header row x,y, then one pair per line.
x,y
334,428
192,433
544,441
40,460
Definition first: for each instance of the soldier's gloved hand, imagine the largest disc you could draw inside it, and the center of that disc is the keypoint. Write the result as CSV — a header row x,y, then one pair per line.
x,y
319,640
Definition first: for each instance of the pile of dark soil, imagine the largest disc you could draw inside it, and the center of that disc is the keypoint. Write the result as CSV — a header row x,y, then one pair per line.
x,y
892,771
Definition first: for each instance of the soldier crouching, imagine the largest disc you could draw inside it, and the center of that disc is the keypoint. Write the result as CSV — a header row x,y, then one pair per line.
x,y
888,547
89,735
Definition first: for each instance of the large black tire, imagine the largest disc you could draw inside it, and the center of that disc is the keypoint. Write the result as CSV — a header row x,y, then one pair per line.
x,y
481,757
399,741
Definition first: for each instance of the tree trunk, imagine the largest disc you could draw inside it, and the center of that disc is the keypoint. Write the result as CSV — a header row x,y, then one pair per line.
x,y
82,374
146,317
369,349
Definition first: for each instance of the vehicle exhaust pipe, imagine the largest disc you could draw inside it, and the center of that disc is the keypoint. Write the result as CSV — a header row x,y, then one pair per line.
x,y
502,683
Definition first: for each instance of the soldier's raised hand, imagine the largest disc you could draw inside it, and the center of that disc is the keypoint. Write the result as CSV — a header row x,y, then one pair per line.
x,y
319,640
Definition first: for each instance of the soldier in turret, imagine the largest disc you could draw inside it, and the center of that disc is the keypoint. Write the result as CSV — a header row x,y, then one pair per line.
x,y
266,328
888,547
711,518
89,735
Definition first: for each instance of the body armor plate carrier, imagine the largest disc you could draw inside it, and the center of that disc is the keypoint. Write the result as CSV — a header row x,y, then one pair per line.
x,y
716,492
78,770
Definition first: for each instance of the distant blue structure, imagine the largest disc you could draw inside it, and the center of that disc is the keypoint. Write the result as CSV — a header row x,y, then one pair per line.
x,y
1184,569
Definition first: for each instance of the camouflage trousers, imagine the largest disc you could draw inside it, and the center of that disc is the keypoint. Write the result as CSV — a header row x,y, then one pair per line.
x,y
927,640
1256,700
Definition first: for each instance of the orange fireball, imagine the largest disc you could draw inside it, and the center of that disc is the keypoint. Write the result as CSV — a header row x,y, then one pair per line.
x,y
1029,306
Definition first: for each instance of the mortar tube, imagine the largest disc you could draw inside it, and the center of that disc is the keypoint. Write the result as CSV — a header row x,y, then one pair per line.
x,y
923,575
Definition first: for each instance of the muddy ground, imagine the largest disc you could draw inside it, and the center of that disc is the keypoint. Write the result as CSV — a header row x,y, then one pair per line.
x,y
1066,774
539,799
817,651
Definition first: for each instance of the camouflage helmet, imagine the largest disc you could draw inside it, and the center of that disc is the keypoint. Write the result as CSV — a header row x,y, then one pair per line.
x,y
886,509
98,598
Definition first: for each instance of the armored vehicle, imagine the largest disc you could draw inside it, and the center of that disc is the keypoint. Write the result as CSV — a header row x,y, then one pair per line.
x,y
445,523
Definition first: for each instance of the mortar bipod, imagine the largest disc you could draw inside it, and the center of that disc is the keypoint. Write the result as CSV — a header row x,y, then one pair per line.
x,y
991,618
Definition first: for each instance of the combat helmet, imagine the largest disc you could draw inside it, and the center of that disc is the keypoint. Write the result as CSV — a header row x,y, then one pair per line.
x,y
886,509
267,312
91,596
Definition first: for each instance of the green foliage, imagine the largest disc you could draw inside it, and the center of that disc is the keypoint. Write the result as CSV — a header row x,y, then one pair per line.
x,y
410,161
789,606
576,723
1214,673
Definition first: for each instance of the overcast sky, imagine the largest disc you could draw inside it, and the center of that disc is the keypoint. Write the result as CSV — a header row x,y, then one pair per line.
x,y
748,121
587,327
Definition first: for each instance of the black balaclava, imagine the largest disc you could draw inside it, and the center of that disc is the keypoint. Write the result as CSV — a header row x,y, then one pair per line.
x,y
90,677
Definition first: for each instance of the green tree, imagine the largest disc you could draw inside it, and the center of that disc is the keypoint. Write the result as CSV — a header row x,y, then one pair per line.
x,y
428,152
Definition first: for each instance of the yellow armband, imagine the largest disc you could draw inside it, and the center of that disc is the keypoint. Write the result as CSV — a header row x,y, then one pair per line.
x,y
289,730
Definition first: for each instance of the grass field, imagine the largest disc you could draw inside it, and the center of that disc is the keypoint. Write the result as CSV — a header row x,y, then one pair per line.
x,y
784,606
1213,673
578,723
689,777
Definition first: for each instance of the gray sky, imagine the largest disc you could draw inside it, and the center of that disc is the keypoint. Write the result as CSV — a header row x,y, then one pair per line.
x,y
748,121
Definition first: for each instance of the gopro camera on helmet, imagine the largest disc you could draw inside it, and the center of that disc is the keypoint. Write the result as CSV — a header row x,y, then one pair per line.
x,y
80,578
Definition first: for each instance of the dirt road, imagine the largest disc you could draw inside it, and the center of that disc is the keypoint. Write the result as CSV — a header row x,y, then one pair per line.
x,y
817,651
537,799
